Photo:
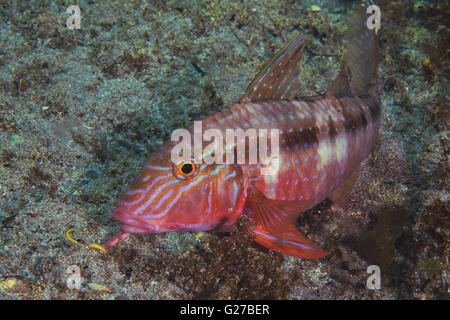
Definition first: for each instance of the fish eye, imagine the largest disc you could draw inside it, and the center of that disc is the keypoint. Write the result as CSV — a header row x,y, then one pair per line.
x,y
186,169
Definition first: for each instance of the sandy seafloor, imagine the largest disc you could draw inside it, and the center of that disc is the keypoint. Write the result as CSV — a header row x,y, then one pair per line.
x,y
81,109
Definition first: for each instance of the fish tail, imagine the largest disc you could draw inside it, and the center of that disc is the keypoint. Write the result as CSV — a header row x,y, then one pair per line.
x,y
359,64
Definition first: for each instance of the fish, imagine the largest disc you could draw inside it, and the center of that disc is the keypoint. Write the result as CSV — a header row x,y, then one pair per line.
x,y
322,141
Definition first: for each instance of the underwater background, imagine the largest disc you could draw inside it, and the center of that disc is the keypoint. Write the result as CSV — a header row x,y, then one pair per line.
x,y
80,110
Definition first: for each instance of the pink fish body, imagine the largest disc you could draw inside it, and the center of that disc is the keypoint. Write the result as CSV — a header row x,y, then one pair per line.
x,y
322,141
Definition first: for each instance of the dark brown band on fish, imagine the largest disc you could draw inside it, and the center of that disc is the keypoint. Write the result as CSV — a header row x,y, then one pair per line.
x,y
357,120
299,139
332,132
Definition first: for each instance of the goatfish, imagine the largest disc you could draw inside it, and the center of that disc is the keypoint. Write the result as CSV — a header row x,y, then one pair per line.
x,y
322,141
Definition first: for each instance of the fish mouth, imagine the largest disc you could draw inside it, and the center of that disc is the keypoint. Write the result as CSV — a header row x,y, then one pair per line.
x,y
132,223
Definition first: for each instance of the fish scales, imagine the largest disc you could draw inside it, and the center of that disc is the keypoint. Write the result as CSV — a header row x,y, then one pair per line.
x,y
328,136
322,141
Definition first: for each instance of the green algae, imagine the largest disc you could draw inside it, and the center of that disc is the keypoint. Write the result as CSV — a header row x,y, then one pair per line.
x,y
15,140
432,266
378,245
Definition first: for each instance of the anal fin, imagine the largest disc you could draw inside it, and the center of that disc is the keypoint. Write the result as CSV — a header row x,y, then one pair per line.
x,y
290,242
341,194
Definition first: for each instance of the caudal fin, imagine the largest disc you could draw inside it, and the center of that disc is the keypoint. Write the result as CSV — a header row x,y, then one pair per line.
x,y
359,64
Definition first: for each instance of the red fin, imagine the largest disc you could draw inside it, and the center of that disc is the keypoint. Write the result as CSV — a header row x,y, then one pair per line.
x,y
274,215
342,192
280,77
290,242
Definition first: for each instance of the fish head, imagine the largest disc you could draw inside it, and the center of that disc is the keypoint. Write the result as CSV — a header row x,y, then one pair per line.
x,y
181,195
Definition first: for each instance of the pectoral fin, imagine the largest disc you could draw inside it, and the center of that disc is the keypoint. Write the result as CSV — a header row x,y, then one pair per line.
x,y
290,242
274,215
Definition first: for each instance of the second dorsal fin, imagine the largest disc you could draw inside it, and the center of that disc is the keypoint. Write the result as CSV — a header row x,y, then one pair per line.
x,y
280,77
359,64
341,86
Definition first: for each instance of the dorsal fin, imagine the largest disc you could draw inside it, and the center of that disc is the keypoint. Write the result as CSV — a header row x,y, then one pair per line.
x,y
280,77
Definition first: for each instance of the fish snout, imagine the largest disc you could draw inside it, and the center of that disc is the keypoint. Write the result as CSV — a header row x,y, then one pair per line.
x,y
131,223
